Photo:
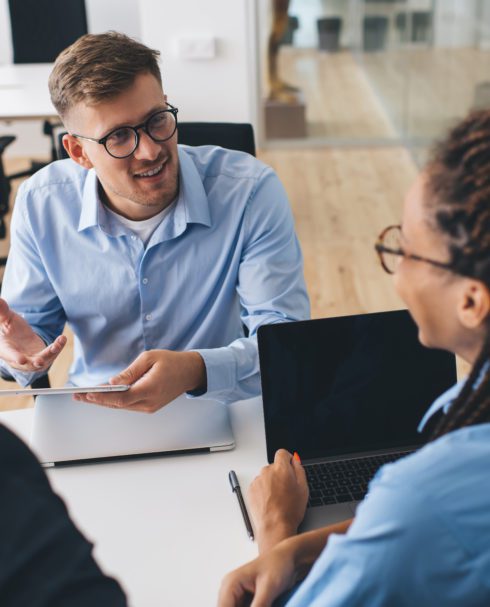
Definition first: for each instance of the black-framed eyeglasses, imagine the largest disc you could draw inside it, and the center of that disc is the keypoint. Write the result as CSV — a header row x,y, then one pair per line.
x,y
390,250
123,141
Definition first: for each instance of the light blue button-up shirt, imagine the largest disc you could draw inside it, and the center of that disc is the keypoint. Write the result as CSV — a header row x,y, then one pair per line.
x,y
226,254
421,536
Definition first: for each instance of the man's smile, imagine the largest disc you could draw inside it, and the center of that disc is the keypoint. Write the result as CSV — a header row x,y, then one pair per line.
x,y
153,172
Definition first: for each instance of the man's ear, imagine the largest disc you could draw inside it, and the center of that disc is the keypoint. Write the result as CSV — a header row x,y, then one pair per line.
x,y
75,150
474,305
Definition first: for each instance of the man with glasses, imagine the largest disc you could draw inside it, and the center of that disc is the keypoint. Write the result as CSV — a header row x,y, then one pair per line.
x,y
155,254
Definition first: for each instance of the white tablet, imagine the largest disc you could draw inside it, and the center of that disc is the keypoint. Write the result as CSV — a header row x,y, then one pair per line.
x,y
65,390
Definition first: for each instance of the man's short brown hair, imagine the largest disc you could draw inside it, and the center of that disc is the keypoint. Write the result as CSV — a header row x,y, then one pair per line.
x,y
98,67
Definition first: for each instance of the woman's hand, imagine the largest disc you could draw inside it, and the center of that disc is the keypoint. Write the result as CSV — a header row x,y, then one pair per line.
x,y
264,579
277,500
277,570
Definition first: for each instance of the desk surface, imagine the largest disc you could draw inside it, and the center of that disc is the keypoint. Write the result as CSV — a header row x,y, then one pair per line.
x,y
24,93
168,528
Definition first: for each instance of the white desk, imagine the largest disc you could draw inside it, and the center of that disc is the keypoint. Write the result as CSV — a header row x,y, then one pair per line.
x,y
24,92
168,528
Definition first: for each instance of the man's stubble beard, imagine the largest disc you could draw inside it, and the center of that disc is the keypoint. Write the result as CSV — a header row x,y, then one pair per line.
x,y
163,200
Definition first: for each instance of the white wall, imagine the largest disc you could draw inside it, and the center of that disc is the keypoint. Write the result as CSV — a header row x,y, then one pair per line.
x,y
119,15
484,25
102,15
219,89
455,23
309,11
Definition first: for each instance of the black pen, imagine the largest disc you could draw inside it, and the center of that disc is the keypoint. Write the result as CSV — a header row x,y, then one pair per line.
x,y
236,489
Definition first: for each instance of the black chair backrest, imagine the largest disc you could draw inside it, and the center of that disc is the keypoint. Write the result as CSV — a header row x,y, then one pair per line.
x,y
230,135
41,29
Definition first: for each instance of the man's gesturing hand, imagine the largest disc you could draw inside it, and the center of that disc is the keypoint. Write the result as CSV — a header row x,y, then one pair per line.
x,y
20,347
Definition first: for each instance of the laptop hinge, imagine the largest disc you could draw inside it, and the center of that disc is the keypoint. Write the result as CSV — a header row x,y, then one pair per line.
x,y
223,447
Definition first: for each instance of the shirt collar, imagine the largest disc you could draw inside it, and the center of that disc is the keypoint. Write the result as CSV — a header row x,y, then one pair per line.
x,y
192,193
89,215
192,203
445,401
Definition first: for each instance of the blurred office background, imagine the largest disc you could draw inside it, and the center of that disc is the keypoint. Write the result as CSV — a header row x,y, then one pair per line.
x,y
387,71
378,82
370,71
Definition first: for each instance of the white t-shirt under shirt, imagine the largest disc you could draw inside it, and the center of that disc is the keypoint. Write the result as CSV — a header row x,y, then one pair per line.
x,y
144,228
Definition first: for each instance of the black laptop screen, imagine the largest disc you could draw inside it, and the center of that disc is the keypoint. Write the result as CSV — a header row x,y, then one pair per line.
x,y
348,384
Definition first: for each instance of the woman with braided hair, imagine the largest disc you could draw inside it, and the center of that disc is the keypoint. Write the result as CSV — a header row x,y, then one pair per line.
x,y
422,534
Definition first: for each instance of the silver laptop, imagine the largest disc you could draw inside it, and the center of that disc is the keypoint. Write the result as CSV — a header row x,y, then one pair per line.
x,y
347,394
67,432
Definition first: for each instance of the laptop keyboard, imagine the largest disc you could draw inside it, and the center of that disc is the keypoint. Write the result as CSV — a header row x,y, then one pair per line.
x,y
345,480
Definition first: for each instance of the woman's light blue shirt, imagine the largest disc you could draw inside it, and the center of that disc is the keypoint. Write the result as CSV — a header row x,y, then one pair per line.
x,y
422,535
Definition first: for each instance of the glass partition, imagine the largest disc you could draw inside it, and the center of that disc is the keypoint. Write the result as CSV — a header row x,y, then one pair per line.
x,y
377,71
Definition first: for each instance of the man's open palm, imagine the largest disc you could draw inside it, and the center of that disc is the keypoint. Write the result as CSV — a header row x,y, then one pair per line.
x,y
20,347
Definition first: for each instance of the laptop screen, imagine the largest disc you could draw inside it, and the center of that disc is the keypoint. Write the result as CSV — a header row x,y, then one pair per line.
x,y
348,384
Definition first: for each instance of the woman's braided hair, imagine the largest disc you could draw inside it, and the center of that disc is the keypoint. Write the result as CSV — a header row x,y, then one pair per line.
x,y
458,191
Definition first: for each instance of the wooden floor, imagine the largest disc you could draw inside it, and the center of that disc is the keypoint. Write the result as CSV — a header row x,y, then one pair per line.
x,y
413,92
425,91
340,102
341,200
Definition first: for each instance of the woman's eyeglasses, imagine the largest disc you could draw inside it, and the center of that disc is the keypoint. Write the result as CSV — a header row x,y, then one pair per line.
x,y
390,250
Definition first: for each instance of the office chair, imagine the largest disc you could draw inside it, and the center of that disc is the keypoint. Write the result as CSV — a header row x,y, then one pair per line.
x,y
41,29
230,135
5,188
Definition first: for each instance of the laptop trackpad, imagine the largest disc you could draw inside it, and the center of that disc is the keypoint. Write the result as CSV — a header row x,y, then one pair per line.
x,y
327,515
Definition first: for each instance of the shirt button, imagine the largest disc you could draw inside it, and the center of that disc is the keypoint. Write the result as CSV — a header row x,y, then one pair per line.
x,y
133,237
145,281
148,317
